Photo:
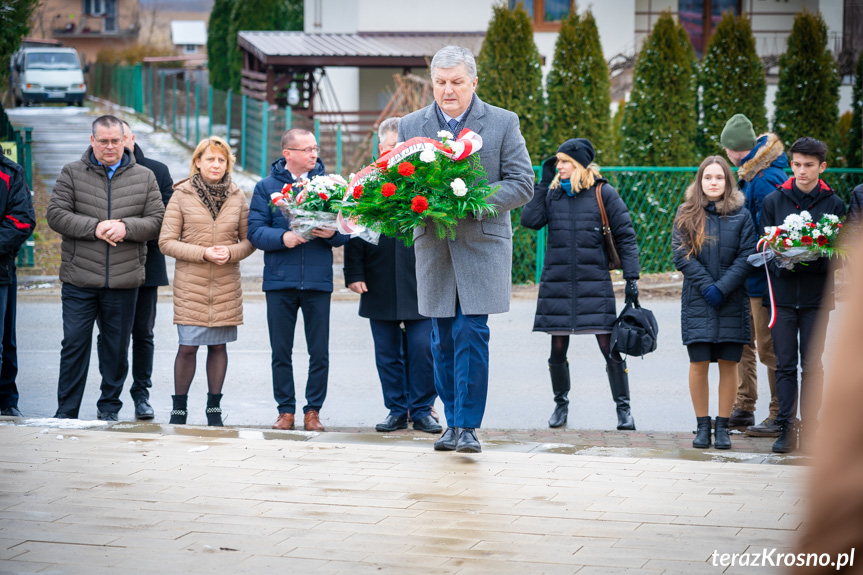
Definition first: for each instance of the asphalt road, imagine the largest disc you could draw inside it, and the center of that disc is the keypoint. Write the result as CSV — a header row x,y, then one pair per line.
x,y
520,394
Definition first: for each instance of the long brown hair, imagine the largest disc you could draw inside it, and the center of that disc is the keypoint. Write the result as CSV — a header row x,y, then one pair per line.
x,y
691,216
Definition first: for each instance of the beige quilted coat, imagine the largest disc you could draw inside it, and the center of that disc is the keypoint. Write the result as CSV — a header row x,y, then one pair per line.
x,y
206,294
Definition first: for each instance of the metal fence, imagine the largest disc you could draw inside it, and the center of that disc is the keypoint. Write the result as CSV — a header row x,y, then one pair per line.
x,y
22,138
178,101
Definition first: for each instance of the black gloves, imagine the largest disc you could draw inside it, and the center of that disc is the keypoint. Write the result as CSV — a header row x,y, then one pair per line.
x,y
548,171
631,291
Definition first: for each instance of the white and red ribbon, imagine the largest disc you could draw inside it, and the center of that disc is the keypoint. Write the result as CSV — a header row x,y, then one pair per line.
x,y
467,143
762,246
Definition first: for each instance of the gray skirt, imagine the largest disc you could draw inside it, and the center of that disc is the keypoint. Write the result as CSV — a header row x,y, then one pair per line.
x,y
201,335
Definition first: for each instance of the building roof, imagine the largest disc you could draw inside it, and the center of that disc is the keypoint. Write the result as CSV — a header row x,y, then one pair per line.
x,y
189,32
409,49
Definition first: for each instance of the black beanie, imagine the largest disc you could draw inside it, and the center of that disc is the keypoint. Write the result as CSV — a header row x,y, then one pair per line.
x,y
579,149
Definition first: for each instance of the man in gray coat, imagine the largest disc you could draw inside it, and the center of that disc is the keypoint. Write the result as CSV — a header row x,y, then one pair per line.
x,y
106,207
461,281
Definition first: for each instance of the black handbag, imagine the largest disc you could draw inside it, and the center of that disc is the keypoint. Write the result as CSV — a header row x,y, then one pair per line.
x,y
634,331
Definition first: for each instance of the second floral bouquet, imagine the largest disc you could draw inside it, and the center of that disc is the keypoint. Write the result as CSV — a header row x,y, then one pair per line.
x,y
311,203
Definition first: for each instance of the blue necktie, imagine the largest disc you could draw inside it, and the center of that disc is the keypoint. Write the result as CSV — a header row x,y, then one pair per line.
x,y
453,124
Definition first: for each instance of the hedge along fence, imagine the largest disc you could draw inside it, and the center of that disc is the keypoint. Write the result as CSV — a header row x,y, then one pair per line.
x,y
177,101
652,195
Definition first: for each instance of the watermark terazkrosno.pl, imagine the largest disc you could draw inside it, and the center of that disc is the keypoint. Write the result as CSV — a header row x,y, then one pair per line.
x,y
772,558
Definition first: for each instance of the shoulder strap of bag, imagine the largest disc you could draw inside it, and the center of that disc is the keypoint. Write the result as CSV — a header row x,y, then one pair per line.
x,y
605,226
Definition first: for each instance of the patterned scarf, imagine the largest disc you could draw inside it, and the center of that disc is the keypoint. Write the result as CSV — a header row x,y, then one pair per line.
x,y
213,196
442,120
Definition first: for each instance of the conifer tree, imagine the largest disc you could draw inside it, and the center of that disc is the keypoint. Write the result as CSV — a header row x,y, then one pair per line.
x,y
807,99
510,73
732,82
579,93
14,25
218,29
854,152
614,158
660,120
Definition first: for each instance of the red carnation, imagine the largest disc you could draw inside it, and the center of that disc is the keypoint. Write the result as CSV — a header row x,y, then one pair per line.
x,y
811,225
822,240
419,204
406,169
322,195
806,240
388,189
358,191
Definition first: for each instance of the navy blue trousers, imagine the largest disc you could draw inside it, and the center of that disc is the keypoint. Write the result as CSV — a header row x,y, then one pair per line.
x,y
798,338
9,354
460,350
282,310
406,369
115,310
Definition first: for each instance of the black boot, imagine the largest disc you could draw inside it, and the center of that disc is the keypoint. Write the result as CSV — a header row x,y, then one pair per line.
x,y
560,384
702,435
721,440
787,441
179,413
214,412
618,380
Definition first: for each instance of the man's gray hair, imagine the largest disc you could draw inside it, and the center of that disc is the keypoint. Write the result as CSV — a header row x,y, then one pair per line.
x,y
388,126
451,56
107,121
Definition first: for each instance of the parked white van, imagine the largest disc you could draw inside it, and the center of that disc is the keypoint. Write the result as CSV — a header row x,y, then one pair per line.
x,y
47,75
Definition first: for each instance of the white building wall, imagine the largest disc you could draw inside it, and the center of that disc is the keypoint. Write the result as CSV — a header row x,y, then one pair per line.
x,y
424,15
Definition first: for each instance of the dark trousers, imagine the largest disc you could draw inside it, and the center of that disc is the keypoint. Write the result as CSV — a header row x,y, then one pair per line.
x,y
460,350
406,371
803,327
9,353
115,310
282,308
142,342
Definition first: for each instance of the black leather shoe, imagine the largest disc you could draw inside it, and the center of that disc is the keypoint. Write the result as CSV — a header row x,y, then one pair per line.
x,y
467,441
107,415
59,415
448,440
11,412
427,424
143,409
393,422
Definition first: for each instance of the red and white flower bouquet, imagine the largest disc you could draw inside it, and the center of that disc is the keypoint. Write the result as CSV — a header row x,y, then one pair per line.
x,y
799,240
311,203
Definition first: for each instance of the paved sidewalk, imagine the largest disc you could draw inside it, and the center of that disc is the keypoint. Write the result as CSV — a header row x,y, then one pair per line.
x,y
161,499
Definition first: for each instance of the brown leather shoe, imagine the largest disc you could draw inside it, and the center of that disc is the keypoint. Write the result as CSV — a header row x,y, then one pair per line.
x,y
312,421
285,421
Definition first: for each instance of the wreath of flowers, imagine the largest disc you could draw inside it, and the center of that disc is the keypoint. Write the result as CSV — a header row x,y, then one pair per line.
x,y
426,188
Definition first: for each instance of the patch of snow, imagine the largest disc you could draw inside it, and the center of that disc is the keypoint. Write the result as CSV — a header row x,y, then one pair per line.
x,y
199,449
50,422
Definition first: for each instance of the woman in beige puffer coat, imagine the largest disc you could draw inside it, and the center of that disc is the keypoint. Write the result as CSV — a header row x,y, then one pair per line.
x,y
204,229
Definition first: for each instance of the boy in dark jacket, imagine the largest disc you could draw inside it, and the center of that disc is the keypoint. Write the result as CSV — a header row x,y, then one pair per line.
x,y
16,225
298,275
799,294
762,164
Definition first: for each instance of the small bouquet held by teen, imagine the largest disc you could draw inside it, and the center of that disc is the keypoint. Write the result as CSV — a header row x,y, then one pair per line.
x,y
422,182
799,240
311,203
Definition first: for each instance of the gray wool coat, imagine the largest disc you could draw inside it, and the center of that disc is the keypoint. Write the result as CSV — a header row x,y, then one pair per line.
x,y
476,267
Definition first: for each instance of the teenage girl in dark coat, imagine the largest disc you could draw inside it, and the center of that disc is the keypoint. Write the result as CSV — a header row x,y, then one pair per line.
x,y
712,238
575,291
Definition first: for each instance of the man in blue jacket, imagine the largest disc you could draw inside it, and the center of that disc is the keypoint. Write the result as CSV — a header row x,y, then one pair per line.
x,y
298,275
762,164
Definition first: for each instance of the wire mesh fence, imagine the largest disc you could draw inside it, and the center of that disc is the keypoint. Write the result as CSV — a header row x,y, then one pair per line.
x,y
179,101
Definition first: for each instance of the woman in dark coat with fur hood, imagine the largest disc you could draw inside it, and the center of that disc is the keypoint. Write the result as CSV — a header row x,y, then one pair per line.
x,y
712,238
575,291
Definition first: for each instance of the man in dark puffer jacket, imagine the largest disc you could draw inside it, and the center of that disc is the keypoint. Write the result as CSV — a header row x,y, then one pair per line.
x,y
106,207
800,294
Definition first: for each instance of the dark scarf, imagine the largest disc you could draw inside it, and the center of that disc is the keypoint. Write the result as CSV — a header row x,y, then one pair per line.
x,y
442,120
213,196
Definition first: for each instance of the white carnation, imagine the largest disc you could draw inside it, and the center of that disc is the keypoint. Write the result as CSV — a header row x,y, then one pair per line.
x,y
807,217
427,156
444,135
459,188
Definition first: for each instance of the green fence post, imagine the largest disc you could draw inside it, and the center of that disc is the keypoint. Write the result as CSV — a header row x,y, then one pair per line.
x,y
138,104
131,91
289,118
162,98
540,252
209,111
265,125
197,112
375,144
174,106
243,132
188,109
151,91
339,149
318,130
228,119
25,153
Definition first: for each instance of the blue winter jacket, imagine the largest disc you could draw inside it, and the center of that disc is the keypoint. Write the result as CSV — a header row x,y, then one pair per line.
x,y
308,266
760,173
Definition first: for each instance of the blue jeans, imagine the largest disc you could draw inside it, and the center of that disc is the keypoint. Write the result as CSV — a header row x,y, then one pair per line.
x,y
460,350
